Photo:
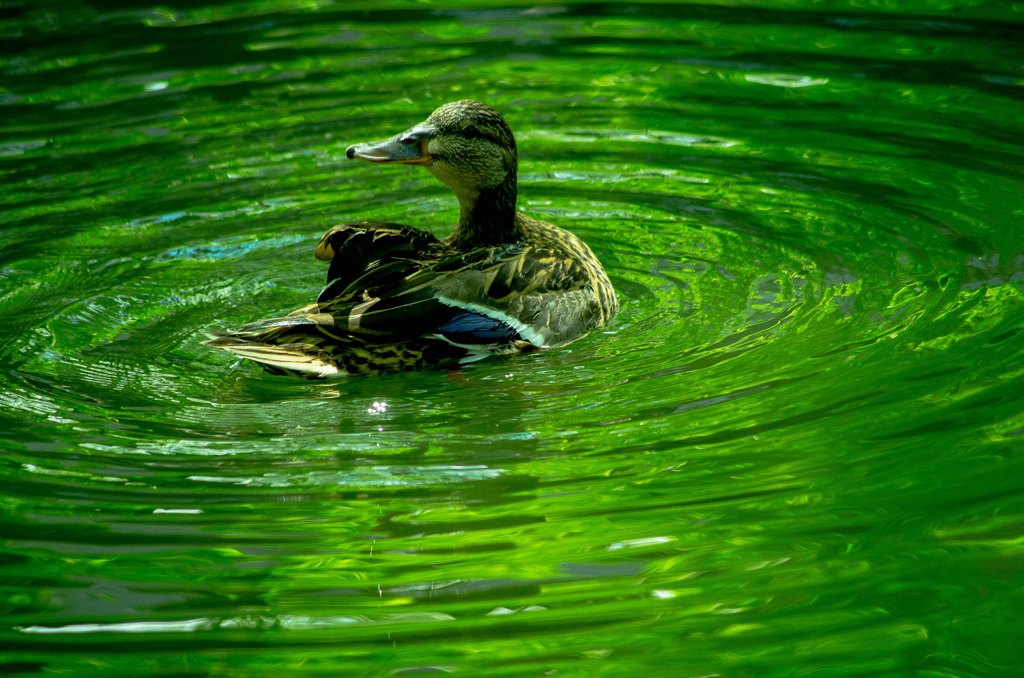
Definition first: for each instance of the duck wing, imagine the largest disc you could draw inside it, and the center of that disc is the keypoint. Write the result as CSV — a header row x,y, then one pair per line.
x,y
486,296
369,255
543,291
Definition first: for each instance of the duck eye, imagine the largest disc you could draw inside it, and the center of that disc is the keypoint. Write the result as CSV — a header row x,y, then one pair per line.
x,y
471,132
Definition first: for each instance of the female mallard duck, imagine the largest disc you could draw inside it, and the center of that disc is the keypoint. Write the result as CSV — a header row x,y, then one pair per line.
x,y
398,298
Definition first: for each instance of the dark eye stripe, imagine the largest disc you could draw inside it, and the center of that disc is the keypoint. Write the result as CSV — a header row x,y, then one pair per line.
x,y
473,132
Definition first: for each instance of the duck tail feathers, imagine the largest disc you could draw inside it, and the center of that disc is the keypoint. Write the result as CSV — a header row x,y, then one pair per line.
x,y
299,359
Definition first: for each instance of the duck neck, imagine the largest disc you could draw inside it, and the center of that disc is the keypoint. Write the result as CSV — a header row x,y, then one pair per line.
x,y
488,217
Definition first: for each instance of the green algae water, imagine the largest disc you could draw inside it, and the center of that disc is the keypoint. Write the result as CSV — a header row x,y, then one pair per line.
x,y
796,451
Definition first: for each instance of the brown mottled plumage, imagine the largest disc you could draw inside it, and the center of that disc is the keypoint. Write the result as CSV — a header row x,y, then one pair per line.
x,y
398,298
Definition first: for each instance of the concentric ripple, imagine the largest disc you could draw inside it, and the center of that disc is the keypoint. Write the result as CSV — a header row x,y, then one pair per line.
x,y
795,450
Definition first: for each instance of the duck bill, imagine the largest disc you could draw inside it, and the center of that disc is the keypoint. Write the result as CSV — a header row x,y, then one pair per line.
x,y
402,148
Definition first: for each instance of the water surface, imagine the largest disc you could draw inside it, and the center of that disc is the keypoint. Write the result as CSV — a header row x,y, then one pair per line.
x,y
796,451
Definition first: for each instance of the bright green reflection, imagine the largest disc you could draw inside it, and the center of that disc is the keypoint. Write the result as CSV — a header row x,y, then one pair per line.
x,y
795,452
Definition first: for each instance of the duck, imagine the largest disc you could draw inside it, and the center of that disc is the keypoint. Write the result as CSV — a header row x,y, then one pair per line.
x,y
399,298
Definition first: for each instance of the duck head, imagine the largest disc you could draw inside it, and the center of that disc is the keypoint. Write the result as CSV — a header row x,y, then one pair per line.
x,y
468,146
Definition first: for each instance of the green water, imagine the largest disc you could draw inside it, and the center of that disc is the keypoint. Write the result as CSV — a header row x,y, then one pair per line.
x,y
797,451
